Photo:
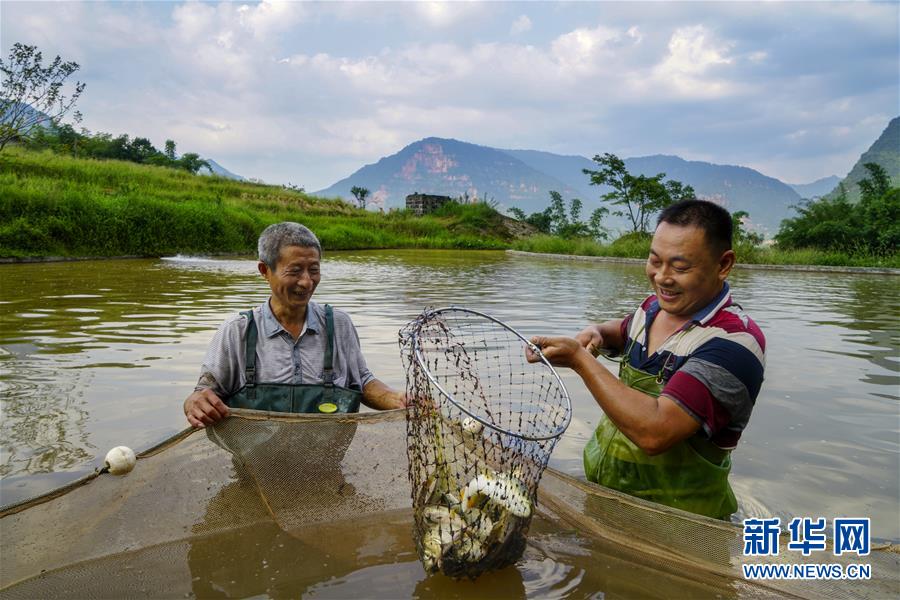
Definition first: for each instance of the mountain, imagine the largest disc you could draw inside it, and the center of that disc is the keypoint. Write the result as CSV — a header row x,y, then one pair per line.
x,y
25,113
451,168
766,199
817,188
524,178
217,169
885,152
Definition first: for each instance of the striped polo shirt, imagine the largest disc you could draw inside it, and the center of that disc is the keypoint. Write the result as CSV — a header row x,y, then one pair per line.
x,y
712,367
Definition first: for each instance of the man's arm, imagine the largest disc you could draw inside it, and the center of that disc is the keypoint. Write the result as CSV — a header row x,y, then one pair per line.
x,y
379,396
653,424
606,335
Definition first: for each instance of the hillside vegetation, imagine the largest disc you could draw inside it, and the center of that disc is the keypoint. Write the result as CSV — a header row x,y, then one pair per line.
x,y
56,205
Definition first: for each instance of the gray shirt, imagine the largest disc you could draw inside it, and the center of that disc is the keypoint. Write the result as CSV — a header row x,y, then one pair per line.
x,y
280,359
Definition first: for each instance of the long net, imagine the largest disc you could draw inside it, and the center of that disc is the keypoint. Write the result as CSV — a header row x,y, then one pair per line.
x,y
480,429
286,506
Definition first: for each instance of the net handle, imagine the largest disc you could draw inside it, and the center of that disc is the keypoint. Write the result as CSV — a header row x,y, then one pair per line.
x,y
417,351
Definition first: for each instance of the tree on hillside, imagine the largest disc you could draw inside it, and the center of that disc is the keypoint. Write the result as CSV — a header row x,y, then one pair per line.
x,y
32,96
553,220
191,161
170,149
641,196
876,184
871,226
360,193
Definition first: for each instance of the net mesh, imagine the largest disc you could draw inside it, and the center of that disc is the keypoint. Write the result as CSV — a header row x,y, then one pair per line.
x,y
300,505
481,426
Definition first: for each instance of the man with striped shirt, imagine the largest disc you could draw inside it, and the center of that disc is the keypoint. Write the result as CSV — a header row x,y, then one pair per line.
x,y
691,368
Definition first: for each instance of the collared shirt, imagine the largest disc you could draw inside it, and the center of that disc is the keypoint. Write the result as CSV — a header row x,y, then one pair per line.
x,y
279,358
712,367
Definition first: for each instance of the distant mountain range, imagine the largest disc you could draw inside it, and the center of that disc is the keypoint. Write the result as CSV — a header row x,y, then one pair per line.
x,y
524,178
817,188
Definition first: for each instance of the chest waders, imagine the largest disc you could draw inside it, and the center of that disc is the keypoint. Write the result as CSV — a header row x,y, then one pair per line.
x,y
322,397
691,475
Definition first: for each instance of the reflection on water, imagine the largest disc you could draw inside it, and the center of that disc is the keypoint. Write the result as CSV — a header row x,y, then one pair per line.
x,y
97,354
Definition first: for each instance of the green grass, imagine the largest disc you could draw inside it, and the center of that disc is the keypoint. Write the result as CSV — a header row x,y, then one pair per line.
x,y
53,205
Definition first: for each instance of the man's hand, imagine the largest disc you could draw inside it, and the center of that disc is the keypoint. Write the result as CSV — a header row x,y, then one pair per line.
x,y
204,408
379,396
560,351
590,339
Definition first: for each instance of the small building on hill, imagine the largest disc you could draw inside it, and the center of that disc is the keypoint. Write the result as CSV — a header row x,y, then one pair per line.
x,y
423,204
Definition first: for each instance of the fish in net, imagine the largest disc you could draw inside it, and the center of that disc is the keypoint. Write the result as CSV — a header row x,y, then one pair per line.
x,y
481,424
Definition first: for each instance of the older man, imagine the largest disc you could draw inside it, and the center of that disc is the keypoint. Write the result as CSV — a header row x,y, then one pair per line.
x,y
289,354
691,371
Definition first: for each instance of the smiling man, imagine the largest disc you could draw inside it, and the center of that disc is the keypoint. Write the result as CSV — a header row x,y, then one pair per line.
x,y
691,368
290,354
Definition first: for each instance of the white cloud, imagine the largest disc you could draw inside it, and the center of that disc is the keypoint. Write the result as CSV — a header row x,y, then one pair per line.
x,y
690,68
583,48
522,24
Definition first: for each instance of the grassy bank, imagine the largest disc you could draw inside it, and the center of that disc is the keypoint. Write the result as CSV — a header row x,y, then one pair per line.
x,y
630,247
53,205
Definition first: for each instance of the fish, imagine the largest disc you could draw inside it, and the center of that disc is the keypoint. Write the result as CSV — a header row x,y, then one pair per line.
x,y
445,528
502,489
472,425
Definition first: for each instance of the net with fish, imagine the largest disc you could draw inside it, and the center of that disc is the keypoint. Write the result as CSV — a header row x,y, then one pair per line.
x,y
284,506
481,426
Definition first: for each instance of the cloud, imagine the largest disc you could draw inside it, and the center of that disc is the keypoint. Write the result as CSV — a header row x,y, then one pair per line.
x,y
521,25
445,14
693,60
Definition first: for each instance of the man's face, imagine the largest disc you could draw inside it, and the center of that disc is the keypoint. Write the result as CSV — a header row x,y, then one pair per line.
x,y
294,278
684,270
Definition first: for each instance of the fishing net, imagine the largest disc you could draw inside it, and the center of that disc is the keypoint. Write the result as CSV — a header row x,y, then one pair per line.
x,y
480,429
287,506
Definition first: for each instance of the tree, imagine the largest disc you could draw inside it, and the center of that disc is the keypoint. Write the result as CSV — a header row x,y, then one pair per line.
x,y
33,94
876,184
595,225
553,220
191,161
742,235
557,211
360,193
170,149
642,196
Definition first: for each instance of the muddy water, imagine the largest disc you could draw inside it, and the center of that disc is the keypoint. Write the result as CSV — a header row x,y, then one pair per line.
x,y
97,354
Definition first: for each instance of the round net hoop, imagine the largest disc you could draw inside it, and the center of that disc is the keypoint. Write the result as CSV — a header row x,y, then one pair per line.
x,y
420,359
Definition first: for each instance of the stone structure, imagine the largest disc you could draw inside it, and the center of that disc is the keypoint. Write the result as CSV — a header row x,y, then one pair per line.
x,y
423,204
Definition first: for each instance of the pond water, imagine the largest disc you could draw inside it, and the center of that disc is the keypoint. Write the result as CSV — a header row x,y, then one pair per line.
x,y
101,353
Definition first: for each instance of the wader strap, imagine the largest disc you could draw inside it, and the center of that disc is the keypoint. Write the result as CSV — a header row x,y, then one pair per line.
x,y
250,356
328,375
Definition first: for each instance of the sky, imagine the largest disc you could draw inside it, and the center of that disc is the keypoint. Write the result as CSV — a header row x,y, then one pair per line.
x,y
307,93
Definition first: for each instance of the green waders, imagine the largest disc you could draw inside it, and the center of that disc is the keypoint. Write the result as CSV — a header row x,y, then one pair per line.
x,y
691,475
294,397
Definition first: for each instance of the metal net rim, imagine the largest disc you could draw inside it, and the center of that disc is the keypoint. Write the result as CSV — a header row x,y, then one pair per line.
x,y
420,360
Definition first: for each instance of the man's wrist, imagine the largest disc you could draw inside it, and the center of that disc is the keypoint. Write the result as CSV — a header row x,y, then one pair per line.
x,y
582,360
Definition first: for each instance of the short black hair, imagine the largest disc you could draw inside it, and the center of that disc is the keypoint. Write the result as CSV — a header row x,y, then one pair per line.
x,y
714,220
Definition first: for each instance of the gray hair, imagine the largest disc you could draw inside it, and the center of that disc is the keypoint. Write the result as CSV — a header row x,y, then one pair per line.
x,y
277,236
